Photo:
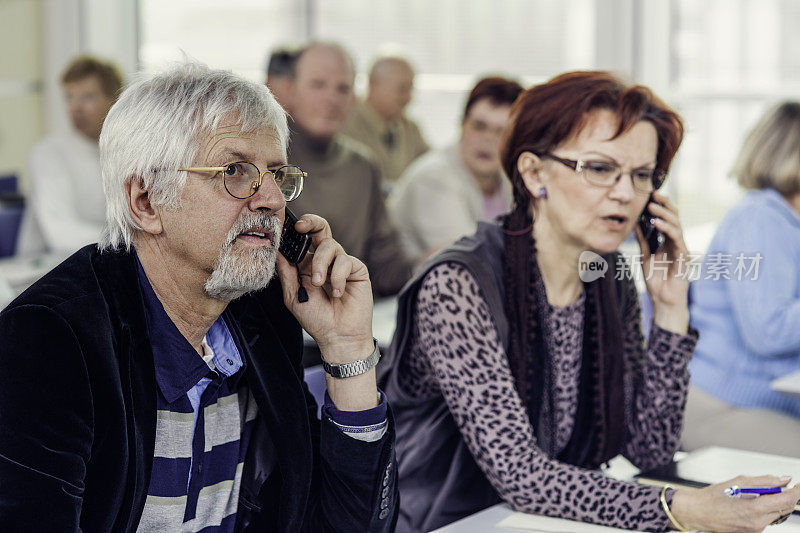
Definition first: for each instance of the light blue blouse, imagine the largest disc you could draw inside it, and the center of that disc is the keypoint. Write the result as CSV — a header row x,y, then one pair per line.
x,y
749,324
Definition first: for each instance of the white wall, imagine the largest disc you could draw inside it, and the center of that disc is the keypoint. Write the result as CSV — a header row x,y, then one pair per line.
x,y
38,38
105,28
21,68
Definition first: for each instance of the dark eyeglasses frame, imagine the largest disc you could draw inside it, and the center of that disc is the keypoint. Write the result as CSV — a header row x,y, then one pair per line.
x,y
578,165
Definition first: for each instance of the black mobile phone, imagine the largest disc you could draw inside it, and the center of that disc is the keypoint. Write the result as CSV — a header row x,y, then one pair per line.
x,y
655,238
294,245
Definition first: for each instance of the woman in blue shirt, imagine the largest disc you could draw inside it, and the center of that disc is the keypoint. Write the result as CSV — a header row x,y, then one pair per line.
x,y
746,303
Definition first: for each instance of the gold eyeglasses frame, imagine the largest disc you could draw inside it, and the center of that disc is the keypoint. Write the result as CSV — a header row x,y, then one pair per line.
x,y
254,186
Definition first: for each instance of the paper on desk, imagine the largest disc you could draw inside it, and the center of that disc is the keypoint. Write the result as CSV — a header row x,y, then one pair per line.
x,y
716,464
531,522
788,384
545,524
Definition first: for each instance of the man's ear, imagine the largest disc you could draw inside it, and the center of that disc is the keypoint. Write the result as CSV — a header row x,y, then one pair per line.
x,y
143,212
529,166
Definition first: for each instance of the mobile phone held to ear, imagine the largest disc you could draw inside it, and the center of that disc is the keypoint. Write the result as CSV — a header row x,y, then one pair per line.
x,y
294,245
655,238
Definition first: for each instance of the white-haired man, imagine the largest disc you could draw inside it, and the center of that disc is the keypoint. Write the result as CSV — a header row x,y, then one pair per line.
x,y
153,382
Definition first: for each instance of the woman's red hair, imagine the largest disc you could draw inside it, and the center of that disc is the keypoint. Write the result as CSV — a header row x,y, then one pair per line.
x,y
546,115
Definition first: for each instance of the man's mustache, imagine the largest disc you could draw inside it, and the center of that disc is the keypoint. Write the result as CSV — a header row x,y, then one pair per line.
x,y
269,221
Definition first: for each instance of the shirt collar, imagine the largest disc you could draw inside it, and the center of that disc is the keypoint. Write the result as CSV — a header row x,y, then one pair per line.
x,y
377,121
178,366
782,204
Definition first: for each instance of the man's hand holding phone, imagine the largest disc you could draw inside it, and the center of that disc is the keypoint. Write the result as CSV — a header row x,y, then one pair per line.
x,y
338,313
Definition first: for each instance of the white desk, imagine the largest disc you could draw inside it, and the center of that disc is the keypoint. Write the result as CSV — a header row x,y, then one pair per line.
x,y
483,521
788,384
488,519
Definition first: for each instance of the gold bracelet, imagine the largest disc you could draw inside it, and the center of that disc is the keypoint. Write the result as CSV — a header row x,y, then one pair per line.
x,y
664,504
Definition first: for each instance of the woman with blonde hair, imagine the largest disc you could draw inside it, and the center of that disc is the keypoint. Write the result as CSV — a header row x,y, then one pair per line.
x,y
746,303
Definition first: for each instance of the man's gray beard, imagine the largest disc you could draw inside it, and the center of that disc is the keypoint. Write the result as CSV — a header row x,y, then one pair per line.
x,y
236,274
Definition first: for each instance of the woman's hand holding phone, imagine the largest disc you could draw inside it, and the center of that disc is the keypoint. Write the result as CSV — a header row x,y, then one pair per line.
x,y
664,271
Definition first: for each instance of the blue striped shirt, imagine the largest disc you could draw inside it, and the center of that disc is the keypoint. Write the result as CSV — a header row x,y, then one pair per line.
x,y
205,413
204,418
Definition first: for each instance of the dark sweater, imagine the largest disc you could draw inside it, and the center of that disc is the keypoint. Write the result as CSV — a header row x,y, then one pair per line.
x,y
343,187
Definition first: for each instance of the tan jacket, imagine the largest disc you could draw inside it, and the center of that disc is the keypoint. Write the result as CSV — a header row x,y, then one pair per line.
x,y
365,126
343,187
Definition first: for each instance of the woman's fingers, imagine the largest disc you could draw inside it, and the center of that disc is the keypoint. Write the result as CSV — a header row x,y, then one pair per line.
x,y
663,212
755,513
667,220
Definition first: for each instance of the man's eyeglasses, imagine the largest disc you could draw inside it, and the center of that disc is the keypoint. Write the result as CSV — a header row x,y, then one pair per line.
x,y
242,179
607,174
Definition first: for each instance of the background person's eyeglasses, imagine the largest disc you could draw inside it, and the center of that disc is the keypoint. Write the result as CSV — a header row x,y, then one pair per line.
x,y
242,179
607,174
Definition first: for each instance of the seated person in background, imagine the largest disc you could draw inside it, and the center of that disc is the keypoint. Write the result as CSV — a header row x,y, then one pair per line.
x,y
444,194
156,381
66,203
513,380
279,73
748,313
380,122
344,184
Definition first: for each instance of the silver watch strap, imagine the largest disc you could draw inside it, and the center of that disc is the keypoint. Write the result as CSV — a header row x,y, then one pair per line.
x,y
348,370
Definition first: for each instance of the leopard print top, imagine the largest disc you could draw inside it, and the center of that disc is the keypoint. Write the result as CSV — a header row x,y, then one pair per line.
x,y
456,353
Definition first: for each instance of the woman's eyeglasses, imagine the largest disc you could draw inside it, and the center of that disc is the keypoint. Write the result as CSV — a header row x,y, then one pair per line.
x,y
607,174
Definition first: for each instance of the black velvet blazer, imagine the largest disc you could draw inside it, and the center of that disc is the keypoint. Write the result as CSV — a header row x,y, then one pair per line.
x,y
78,414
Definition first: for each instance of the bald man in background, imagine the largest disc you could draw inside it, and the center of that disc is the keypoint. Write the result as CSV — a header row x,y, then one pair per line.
x,y
380,123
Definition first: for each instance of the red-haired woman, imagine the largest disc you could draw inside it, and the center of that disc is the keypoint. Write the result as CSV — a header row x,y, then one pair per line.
x,y
513,380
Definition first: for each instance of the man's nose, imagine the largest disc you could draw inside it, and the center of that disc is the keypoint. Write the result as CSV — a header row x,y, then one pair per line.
x,y
268,196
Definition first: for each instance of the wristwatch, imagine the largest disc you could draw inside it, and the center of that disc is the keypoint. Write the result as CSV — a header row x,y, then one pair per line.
x,y
348,370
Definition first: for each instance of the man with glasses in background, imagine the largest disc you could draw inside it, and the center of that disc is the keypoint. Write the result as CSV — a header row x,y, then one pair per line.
x,y
153,382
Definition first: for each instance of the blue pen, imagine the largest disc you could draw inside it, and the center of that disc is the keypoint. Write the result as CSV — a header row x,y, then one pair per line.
x,y
737,492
